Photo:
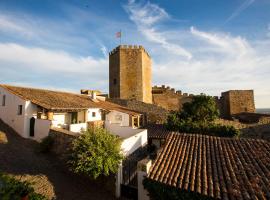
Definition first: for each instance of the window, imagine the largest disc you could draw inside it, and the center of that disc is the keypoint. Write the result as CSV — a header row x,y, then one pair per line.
x,y
93,114
20,107
118,117
4,100
114,81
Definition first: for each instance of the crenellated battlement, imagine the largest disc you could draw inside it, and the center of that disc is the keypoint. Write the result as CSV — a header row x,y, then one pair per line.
x,y
163,89
129,47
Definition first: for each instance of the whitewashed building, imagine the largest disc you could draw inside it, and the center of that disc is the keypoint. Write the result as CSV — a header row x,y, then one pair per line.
x,y
32,112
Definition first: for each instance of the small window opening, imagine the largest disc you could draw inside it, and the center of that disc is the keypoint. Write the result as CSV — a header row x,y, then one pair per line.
x,y
20,107
4,100
93,114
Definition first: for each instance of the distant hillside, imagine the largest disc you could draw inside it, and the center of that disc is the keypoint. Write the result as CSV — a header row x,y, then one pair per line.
x,y
263,110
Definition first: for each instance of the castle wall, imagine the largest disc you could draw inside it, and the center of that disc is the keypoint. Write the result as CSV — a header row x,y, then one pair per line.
x,y
168,99
130,73
234,102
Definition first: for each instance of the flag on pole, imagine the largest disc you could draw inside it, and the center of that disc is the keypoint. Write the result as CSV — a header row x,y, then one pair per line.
x,y
118,34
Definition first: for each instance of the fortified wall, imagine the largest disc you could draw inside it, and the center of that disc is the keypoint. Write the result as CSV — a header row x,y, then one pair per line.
x,y
234,102
168,98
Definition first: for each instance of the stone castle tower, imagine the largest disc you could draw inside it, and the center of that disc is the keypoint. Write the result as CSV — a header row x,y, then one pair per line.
x,y
130,73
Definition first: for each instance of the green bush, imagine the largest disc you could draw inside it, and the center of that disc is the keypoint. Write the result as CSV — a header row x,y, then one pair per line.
x,y
10,188
96,152
198,117
202,128
45,145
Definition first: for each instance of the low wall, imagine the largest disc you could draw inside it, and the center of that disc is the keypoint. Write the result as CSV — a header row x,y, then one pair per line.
x,y
62,141
42,129
77,128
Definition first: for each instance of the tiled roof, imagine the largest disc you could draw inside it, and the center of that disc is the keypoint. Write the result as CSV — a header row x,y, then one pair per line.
x,y
223,168
157,131
63,101
52,100
112,106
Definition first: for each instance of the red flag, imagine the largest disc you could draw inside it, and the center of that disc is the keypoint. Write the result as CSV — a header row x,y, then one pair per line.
x,y
118,34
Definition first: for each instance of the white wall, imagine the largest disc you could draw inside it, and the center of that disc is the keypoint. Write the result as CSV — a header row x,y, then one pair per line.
x,y
42,128
81,117
77,128
132,143
115,117
8,113
89,116
30,111
61,120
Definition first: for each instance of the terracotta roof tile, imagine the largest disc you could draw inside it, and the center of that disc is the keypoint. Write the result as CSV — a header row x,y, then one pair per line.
x,y
223,168
157,131
63,101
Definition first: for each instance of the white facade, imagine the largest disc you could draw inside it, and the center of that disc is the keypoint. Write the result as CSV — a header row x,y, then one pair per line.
x,y
77,128
93,114
134,142
116,117
9,112
64,120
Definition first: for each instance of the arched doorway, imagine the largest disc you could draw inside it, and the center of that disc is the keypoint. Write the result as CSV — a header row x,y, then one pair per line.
x,y
32,127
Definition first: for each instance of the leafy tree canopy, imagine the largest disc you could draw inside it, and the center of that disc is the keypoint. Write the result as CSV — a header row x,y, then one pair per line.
x,y
198,117
202,108
96,152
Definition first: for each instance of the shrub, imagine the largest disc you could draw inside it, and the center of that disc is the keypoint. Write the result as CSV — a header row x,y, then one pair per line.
x,y
45,145
96,152
10,188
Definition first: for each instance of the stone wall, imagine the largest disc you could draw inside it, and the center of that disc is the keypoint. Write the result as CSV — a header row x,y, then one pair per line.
x,y
168,98
154,113
234,102
130,73
62,141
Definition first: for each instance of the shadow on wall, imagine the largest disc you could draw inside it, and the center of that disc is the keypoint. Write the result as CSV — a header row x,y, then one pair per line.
x,y
51,177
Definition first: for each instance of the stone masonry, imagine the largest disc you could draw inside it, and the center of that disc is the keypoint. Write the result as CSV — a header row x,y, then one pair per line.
x,y
168,98
130,73
234,102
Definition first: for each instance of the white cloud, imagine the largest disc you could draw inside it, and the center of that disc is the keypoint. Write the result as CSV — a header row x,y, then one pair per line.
x,y
235,46
24,62
8,24
104,51
240,9
145,17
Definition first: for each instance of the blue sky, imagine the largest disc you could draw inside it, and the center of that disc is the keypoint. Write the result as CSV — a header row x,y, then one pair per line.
x,y
197,46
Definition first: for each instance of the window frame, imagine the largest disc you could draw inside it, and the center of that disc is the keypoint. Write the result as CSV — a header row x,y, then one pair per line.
x,y
4,100
20,110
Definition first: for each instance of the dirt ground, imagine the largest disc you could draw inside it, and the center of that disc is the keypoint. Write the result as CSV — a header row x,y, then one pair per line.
x,y
50,177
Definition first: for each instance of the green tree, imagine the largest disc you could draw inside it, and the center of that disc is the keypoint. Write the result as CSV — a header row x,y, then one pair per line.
x,y
96,152
198,117
202,108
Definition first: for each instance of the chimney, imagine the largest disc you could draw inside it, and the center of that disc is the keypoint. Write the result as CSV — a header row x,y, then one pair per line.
x,y
93,95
